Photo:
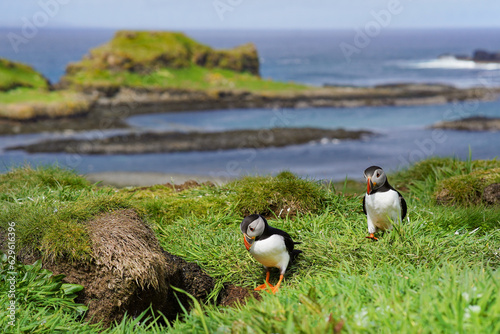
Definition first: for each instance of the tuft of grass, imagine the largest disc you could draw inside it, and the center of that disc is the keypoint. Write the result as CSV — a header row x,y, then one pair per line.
x,y
48,206
423,177
466,190
282,195
37,294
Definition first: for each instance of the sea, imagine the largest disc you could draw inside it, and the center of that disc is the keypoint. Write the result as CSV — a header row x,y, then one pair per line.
x,y
402,134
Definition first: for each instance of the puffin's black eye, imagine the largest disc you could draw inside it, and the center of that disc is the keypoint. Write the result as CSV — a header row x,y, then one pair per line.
x,y
252,229
378,174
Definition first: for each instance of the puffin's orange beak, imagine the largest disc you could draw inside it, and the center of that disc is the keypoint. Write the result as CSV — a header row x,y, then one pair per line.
x,y
368,185
245,240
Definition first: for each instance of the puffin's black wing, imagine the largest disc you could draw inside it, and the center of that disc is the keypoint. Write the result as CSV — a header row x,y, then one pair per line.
x,y
364,205
404,209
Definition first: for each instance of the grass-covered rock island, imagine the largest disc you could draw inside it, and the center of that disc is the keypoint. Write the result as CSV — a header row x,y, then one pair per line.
x,y
437,272
158,71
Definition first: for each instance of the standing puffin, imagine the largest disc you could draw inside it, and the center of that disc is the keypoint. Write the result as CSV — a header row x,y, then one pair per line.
x,y
382,203
270,246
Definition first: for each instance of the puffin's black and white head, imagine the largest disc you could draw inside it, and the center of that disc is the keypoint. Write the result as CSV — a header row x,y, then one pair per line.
x,y
375,178
253,226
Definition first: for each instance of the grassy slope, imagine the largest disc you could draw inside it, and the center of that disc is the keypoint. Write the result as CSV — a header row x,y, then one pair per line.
x,y
436,273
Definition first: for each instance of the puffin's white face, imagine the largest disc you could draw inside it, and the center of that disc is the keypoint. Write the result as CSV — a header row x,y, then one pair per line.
x,y
375,178
253,226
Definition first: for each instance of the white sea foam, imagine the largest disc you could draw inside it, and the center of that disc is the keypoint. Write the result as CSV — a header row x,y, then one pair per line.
x,y
452,63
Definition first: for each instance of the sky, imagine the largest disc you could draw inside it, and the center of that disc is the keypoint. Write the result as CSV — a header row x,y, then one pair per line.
x,y
249,14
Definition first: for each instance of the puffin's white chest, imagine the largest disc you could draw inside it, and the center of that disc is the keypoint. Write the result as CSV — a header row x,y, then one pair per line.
x,y
271,252
382,207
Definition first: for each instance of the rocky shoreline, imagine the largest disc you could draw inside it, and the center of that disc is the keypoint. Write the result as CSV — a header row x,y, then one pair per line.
x,y
475,123
153,142
111,108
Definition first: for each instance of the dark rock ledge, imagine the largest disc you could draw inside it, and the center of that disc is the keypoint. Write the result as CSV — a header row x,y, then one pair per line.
x,y
111,108
475,123
152,142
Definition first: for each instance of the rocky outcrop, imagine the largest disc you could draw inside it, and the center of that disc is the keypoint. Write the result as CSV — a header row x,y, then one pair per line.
x,y
482,56
148,142
475,123
486,56
243,58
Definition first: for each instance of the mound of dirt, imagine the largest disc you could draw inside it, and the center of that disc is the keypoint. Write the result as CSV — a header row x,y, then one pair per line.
x,y
232,295
491,194
131,271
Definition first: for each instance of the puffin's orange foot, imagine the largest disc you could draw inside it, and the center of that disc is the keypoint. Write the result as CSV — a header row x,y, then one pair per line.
x,y
372,236
275,289
264,286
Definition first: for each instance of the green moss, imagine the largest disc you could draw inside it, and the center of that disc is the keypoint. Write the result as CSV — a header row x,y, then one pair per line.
x,y
14,75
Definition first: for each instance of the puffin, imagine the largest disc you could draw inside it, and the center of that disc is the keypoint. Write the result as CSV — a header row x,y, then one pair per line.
x,y
382,204
272,247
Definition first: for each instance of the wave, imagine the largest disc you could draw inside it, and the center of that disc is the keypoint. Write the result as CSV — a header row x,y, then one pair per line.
x,y
452,63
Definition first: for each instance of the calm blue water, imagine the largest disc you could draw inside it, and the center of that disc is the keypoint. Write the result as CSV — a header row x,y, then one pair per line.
x,y
311,57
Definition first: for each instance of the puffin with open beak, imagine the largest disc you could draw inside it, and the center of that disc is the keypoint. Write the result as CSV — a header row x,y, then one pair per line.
x,y
270,246
382,204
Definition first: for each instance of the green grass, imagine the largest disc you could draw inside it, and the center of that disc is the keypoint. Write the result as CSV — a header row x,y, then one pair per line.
x,y
14,75
48,206
437,273
35,95
190,78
